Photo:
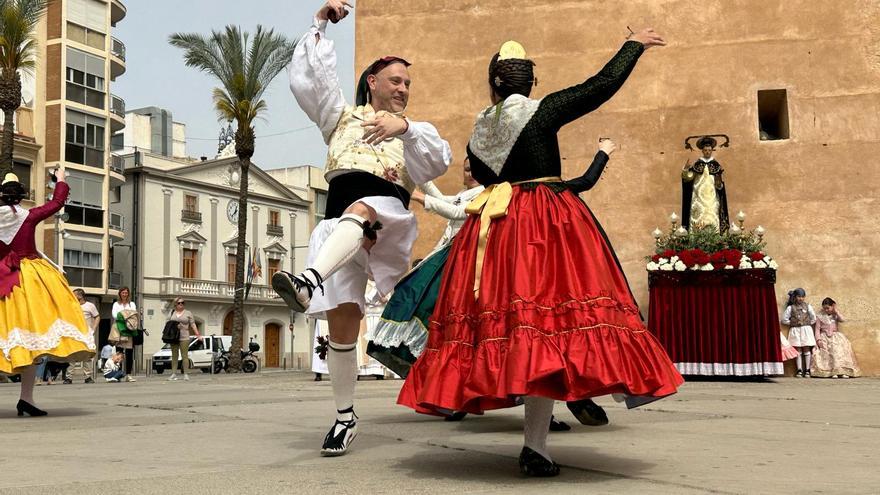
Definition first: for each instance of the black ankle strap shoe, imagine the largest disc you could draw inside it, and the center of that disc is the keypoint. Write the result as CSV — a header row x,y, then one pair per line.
x,y
534,464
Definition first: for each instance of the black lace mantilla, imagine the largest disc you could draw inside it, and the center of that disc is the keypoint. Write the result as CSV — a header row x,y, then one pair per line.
x,y
536,152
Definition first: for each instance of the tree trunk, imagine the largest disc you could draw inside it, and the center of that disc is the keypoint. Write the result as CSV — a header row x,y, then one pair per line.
x,y
10,100
240,251
8,142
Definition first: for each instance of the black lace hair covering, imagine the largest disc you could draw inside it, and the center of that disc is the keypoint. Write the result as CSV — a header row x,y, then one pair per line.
x,y
12,193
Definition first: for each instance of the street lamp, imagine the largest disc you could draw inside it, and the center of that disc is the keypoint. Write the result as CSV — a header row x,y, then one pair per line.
x,y
60,234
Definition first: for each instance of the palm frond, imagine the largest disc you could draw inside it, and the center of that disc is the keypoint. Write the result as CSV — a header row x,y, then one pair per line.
x,y
18,22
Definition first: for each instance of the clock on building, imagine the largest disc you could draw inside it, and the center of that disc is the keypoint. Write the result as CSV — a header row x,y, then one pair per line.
x,y
232,210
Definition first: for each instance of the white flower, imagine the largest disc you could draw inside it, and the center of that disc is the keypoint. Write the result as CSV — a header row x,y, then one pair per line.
x,y
673,259
695,267
773,264
680,266
745,259
759,264
662,261
728,267
667,267
744,265
653,267
707,267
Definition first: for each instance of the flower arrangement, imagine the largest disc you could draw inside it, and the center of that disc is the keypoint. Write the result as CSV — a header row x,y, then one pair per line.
x,y
706,249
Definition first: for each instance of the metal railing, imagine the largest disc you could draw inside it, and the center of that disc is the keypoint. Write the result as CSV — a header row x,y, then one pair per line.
x,y
117,105
117,221
117,48
191,216
275,230
117,163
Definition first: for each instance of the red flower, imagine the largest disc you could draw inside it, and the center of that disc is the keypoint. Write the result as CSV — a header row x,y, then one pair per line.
x,y
667,254
656,258
687,257
756,256
699,256
391,175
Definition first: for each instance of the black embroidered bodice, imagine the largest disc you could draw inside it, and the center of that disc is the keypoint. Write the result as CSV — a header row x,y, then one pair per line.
x,y
536,151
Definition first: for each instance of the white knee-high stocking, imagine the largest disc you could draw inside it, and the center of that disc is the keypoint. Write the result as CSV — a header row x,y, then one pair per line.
x,y
342,364
339,248
538,411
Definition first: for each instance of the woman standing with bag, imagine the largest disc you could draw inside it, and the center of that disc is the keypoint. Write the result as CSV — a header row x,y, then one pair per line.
x,y
123,310
180,350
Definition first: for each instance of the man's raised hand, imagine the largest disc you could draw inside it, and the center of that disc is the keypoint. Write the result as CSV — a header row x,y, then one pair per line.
x,y
334,11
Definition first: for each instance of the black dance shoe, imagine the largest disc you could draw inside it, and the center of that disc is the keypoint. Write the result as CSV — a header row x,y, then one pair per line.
x,y
456,416
556,425
30,409
336,442
588,412
534,464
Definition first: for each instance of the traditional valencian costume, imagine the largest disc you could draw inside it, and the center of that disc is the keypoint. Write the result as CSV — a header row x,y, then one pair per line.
x,y
39,315
380,176
533,303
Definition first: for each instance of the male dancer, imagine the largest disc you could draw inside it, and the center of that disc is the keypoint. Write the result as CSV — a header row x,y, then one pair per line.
x,y
376,156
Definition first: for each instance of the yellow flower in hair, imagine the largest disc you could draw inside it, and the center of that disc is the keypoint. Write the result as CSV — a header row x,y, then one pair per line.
x,y
511,49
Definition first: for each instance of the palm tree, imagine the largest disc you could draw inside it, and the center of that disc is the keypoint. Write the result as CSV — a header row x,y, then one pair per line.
x,y
244,66
18,50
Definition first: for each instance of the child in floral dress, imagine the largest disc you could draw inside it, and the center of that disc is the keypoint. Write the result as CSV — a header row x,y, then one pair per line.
x,y
834,354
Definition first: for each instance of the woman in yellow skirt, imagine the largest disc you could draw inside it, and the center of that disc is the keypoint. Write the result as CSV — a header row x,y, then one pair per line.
x,y
39,315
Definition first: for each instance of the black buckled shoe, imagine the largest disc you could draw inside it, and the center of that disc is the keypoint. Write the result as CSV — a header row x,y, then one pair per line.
x,y
338,440
534,464
588,412
556,425
296,291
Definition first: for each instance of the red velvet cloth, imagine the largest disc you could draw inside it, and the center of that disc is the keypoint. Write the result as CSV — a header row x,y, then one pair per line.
x,y
554,318
723,322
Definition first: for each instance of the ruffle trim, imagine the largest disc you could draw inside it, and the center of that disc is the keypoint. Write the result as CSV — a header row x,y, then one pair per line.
x,y
47,341
412,334
519,304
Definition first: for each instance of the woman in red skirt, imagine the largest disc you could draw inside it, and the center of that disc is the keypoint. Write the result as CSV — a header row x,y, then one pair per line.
x,y
534,304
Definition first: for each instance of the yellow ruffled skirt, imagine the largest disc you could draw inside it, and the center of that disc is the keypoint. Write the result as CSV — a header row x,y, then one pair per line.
x,y
41,317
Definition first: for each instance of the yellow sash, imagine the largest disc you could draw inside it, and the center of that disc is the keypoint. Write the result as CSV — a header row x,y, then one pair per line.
x,y
490,204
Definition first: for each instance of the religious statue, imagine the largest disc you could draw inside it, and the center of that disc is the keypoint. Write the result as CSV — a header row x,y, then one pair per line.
x,y
703,195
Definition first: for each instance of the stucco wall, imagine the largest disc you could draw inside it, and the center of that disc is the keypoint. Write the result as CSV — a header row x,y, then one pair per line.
x,y
815,193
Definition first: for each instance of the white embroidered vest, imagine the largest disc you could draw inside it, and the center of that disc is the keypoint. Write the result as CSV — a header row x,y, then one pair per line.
x,y
348,151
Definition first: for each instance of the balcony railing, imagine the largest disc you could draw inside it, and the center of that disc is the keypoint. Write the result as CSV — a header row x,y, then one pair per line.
x,y
117,105
117,48
190,216
117,163
275,230
211,289
117,221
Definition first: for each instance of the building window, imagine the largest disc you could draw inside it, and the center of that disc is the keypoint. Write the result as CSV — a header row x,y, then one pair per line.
x,y
190,202
273,267
23,170
274,218
85,79
83,262
88,22
86,36
773,114
85,203
84,140
320,205
190,263
230,268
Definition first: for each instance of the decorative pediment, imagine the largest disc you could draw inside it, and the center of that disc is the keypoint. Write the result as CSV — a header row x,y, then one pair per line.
x,y
231,246
275,251
191,240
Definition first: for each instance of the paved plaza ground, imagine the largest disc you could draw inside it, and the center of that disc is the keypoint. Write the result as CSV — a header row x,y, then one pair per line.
x,y
260,434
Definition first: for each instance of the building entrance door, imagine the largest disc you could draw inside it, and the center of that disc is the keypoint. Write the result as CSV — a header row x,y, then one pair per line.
x,y
272,339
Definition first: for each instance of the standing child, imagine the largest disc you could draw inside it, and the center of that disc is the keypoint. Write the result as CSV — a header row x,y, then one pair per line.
x,y
834,357
800,317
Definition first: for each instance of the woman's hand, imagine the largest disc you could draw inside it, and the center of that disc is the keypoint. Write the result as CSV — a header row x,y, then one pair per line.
x,y
333,11
607,145
59,174
648,38
418,197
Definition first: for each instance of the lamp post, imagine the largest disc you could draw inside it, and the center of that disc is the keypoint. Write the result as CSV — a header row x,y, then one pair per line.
x,y
60,234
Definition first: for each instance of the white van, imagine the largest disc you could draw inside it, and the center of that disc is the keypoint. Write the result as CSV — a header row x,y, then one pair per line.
x,y
200,353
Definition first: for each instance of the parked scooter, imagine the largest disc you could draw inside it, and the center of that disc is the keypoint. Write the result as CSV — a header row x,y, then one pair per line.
x,y
249,363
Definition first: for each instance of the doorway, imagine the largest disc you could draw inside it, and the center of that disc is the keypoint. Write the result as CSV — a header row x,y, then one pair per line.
x,y
272,339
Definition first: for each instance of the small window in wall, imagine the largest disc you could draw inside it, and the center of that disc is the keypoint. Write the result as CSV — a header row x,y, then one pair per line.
x,y
274,266
230,268
773,114
274,218
191,202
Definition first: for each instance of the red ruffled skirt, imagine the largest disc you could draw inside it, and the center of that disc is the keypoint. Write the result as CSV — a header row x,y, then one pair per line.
x,y
555,317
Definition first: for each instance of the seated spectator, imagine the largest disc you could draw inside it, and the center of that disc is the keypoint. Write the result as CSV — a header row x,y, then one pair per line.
x,y
112,370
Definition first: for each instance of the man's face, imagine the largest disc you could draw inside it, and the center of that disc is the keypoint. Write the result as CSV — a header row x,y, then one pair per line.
x,y
389,89
79,297
707,151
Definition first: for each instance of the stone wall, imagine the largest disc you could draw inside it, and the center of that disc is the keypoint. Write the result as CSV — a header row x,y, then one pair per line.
x,y
816,193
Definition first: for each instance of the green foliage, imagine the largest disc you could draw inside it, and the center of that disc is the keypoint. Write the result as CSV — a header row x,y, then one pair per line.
x,y
18,46
710,241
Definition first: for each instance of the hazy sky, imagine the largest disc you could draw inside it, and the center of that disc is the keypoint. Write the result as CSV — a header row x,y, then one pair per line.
x,y
156,75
